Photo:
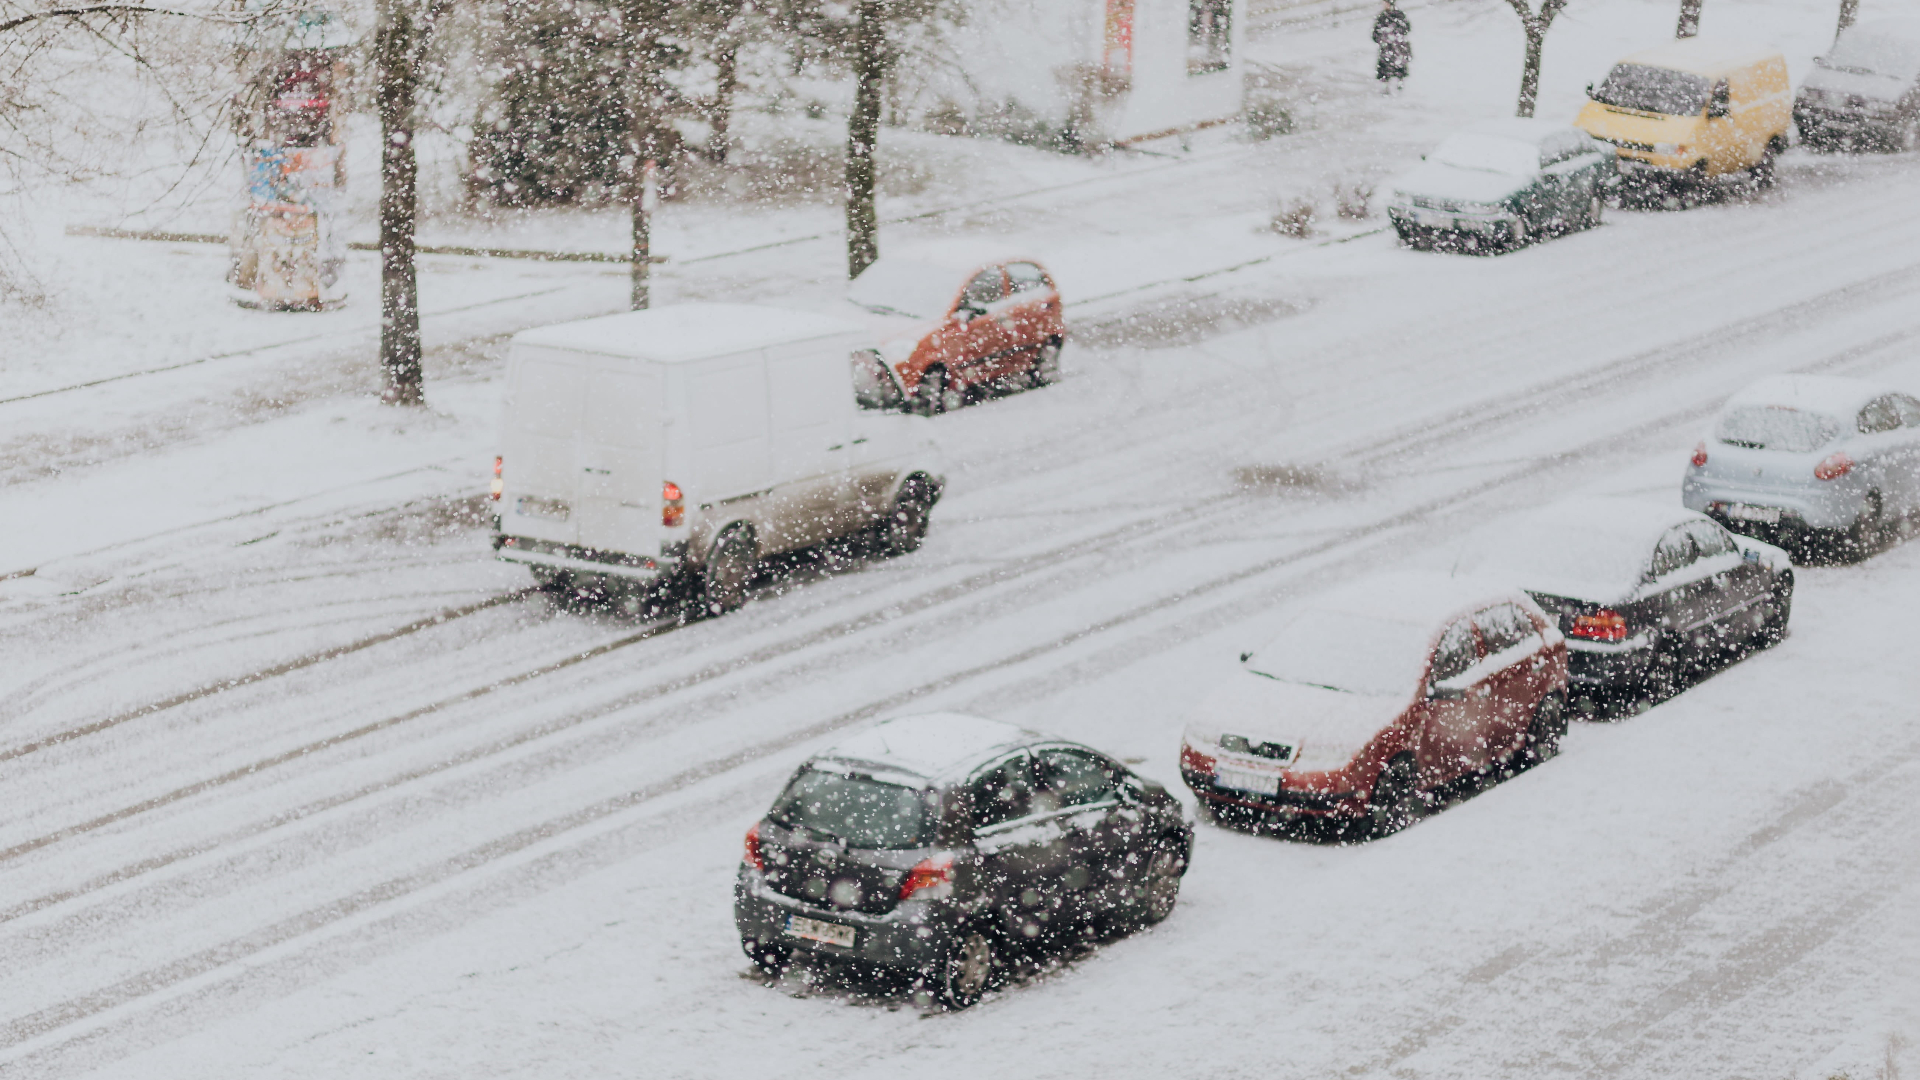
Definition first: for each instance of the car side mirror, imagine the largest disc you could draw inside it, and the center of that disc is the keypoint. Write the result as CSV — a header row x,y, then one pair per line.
x,y
1717,110
1245,656
1590,92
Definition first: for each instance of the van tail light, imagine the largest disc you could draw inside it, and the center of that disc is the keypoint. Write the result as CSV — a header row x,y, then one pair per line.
x,y
1700,455
498,485
673,510
1837,465
1603,625
932,879
752,856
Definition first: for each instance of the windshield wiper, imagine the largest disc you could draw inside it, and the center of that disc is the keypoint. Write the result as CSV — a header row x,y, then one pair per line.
x,y
1301,682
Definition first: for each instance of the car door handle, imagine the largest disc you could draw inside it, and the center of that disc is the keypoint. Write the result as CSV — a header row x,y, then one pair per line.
x,y
1539,663
1480,691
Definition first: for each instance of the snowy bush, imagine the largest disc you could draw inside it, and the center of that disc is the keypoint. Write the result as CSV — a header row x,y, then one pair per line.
x,y
1295,218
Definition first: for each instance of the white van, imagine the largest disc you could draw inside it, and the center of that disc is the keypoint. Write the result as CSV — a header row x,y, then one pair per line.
x,y
696,440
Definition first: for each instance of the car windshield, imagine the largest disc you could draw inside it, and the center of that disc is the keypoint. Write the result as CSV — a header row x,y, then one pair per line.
x,y
1867,52
1652,89
1776,427
1488,153
1338,650
899,287
857,811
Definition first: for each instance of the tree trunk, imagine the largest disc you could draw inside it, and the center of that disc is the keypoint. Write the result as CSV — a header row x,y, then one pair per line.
x,y
640,57
1530,69
642,254
726,79
1849,11
1690,19
863,135
399,79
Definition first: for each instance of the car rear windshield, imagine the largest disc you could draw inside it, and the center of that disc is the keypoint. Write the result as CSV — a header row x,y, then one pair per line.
x,y
857,811
1488,153
1653,89
1776,427
1338,650
1868,50
900,287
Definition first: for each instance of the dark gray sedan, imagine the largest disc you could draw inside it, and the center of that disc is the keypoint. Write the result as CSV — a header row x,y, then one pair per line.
x,y
934,844
1643,591
1501,183
1865,90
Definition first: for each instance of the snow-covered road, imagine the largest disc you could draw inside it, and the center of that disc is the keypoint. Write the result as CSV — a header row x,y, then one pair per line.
x,y
501,842
299,782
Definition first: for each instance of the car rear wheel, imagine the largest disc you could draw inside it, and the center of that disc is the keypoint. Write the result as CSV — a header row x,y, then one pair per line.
x,y
1159,888
1396,800
771,958
938,394
1544,731
1868,528
723,583
906,526
1773,626
963,975
1046,366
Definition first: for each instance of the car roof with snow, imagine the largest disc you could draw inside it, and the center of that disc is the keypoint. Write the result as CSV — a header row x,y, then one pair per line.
x,y
685,332
1529,130
1702,56
1588,549
928,746
1834,395
1415,597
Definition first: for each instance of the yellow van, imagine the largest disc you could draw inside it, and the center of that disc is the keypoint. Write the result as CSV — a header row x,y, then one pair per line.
x,y
1694,109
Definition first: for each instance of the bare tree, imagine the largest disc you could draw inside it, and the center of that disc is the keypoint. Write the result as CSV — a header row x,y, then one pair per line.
x,y
403,32
871,60
1534,24
1689,24
1849,11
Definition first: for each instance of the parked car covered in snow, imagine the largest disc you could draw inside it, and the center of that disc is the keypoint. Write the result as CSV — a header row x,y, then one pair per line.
x,y
1865,90
1642,591
1375,694
1502,183
1693,110
949,327
933,844
695,440
1811,461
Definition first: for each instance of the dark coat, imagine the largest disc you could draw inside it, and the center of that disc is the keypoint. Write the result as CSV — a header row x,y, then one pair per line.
x,y
1393,33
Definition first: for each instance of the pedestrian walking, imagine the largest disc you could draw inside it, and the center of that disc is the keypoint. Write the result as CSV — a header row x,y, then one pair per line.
x,y
1394,34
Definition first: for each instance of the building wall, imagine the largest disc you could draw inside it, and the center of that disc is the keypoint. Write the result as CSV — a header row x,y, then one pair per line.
x,y
1164,96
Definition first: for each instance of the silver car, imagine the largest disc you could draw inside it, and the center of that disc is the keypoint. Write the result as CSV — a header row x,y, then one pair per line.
x,y
1810,461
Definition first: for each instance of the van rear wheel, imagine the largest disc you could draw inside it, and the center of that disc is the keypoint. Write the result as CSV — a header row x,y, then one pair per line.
x,y
723,582
906,526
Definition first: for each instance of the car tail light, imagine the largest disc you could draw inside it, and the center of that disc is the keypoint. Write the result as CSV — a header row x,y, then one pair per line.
x,y
931,880
1602,625
673,512
1837,465
752,856
498,485
1193,761
1700,455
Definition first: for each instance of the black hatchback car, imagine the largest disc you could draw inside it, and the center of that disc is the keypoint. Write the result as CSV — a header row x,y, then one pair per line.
x,y
1643,591
933,844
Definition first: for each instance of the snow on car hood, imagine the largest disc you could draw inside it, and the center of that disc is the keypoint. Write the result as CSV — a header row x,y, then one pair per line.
x,y
1328,726
1442,181
896,334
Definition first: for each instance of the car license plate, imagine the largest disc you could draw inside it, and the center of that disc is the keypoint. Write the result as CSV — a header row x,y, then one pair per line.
x,y
1242,780
1766,515
814,930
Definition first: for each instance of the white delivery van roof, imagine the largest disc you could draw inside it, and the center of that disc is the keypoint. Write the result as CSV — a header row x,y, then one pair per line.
x,y
685,332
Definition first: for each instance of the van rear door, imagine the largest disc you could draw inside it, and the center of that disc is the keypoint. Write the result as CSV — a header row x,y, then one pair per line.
x,y
619,454
810,408
539,428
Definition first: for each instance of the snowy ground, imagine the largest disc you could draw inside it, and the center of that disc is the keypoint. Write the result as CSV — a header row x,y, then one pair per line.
x,y
301,783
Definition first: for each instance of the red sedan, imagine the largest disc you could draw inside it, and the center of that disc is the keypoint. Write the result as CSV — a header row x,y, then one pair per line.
x,y
1374,695
952,327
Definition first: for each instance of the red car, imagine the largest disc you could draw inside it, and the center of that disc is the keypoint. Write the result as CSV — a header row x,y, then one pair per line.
x,y
951,327
1376,694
